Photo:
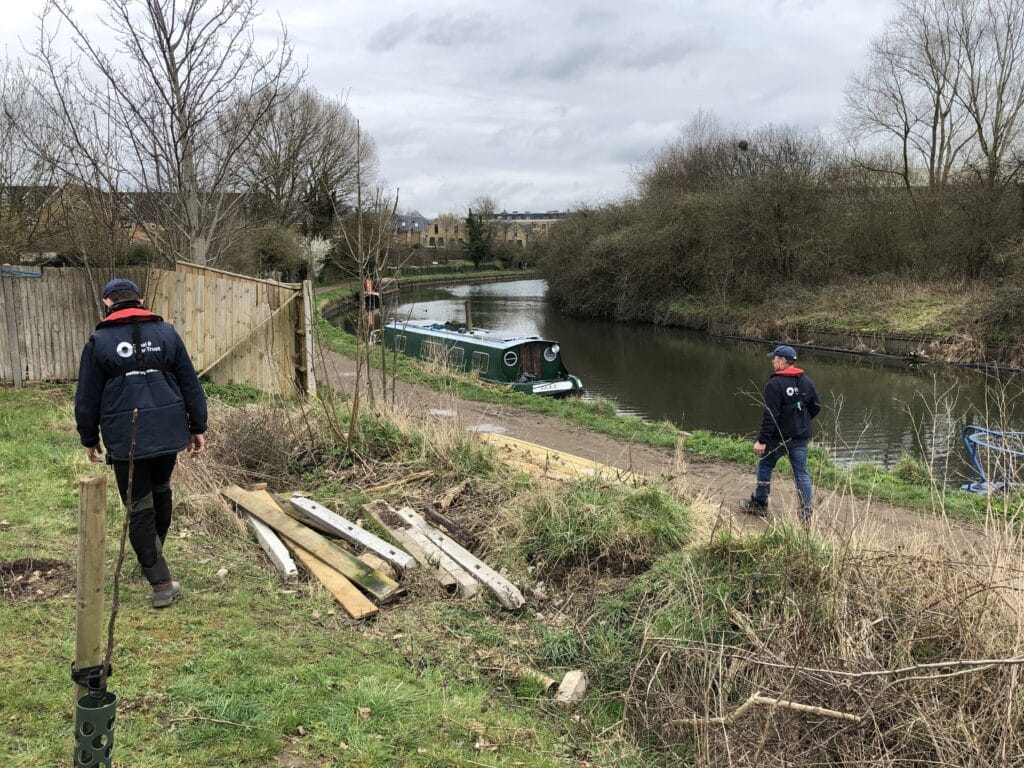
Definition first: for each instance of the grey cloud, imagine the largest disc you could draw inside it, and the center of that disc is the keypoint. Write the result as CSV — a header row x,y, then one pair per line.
x,y
446,30
392,34
631,55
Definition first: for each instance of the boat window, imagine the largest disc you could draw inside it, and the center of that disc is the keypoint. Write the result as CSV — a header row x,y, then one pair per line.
x,y
456,357
481,362
400,343
551,353
511,358
433,351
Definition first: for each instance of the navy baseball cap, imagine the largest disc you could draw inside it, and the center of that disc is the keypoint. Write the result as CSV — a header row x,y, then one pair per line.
x,y
783,350
120,284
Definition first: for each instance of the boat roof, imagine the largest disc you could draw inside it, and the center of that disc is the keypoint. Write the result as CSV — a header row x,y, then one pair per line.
x,y
480,336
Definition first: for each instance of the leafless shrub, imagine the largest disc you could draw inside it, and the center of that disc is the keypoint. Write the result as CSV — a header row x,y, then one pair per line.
x,y
922,652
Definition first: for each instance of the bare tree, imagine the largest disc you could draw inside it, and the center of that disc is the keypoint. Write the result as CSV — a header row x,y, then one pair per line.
x,y
26,183
164,93
909,96
80,212
300,161
990,35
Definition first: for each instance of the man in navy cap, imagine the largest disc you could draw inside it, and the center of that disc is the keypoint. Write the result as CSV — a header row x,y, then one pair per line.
x,y
134,360
790,402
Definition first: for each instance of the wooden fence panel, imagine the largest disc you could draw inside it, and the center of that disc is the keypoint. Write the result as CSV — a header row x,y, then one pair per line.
x,y
237,328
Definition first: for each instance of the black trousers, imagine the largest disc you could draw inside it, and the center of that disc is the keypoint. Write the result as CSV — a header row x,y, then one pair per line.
x,y
151,504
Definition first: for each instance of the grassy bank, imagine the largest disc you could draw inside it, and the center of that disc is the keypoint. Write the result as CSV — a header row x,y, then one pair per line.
x,y
674,625
959,322
245,671
908,484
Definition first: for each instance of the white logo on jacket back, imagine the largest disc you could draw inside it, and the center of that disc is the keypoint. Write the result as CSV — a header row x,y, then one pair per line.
x,y
125,349
790,391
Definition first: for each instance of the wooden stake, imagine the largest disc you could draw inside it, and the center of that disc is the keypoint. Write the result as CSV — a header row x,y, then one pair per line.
x,y
92,520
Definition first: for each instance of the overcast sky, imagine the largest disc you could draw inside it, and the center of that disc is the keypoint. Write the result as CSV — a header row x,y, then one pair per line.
x,y
547,104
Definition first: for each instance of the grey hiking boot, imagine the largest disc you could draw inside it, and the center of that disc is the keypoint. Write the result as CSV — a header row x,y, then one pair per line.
x,y
165,589
165,593
752,507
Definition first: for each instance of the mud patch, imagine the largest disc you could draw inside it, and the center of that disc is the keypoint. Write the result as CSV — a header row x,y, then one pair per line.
x,y
30,579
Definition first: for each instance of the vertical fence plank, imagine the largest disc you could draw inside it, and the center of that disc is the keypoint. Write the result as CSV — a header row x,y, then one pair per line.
x,y
11,320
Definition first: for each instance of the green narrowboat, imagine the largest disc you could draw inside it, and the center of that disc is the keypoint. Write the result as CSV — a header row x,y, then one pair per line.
x,y
528,364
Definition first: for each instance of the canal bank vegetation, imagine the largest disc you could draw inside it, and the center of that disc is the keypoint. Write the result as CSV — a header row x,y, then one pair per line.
x,y
909,483
696,642
909,223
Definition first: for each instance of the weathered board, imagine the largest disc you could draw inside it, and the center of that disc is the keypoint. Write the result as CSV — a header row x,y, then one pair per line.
x,y
555,464
435,557
262,505
274,547
351,532
355,603
504,590
377,510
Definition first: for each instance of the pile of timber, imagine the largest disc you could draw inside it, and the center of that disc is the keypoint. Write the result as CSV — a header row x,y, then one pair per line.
x,y
326,543
547,463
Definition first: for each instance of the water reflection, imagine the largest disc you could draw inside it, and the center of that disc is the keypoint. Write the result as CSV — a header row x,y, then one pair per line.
x,y
874,408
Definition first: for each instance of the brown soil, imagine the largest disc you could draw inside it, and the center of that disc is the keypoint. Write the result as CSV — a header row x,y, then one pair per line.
x,y
722,485
31,579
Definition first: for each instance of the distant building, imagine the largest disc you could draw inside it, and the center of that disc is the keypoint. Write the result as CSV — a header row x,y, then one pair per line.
x,y
518,228
409,228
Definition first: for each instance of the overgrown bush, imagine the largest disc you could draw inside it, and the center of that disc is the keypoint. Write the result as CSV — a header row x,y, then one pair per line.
x,y
722,214
782,617
599,527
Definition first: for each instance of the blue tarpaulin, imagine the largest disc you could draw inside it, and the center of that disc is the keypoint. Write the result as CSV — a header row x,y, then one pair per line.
x,y
8,271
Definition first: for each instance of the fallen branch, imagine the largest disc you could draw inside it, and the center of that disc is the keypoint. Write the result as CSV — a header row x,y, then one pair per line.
x,y
451,495
757,699
414,477
970,665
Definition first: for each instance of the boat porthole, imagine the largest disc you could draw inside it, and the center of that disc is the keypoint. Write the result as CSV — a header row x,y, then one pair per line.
x,y
511,358
551,353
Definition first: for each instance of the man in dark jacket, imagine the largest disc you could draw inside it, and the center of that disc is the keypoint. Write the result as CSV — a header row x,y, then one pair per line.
x,y
790,402
134,360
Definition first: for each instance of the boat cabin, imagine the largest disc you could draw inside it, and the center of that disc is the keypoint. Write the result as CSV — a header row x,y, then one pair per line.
x,y
528,363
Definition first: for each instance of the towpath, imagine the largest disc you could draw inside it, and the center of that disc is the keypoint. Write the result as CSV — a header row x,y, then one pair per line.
x,y
863,523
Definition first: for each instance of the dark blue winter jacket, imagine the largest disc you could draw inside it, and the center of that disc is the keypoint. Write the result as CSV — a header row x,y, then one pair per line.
x,y
790,402
135,360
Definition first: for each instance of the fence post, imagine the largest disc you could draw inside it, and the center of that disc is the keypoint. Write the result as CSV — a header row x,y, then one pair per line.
x,y
11,318
306,321
92,519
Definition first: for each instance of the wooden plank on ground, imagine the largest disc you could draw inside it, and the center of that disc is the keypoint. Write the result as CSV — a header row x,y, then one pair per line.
x,y
274,547
400,534
436,558
504,590
563,464
355,603
351,532
262,505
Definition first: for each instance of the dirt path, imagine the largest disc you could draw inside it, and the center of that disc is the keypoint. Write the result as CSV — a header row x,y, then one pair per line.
x,y
860,522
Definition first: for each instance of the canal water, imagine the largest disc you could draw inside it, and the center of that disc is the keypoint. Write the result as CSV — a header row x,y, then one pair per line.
x,y
875,409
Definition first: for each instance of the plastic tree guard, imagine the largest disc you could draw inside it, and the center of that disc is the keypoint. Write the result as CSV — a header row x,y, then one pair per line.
x,y
94,729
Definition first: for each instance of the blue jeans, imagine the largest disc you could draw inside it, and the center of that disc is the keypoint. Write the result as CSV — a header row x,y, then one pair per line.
x,y
796,452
